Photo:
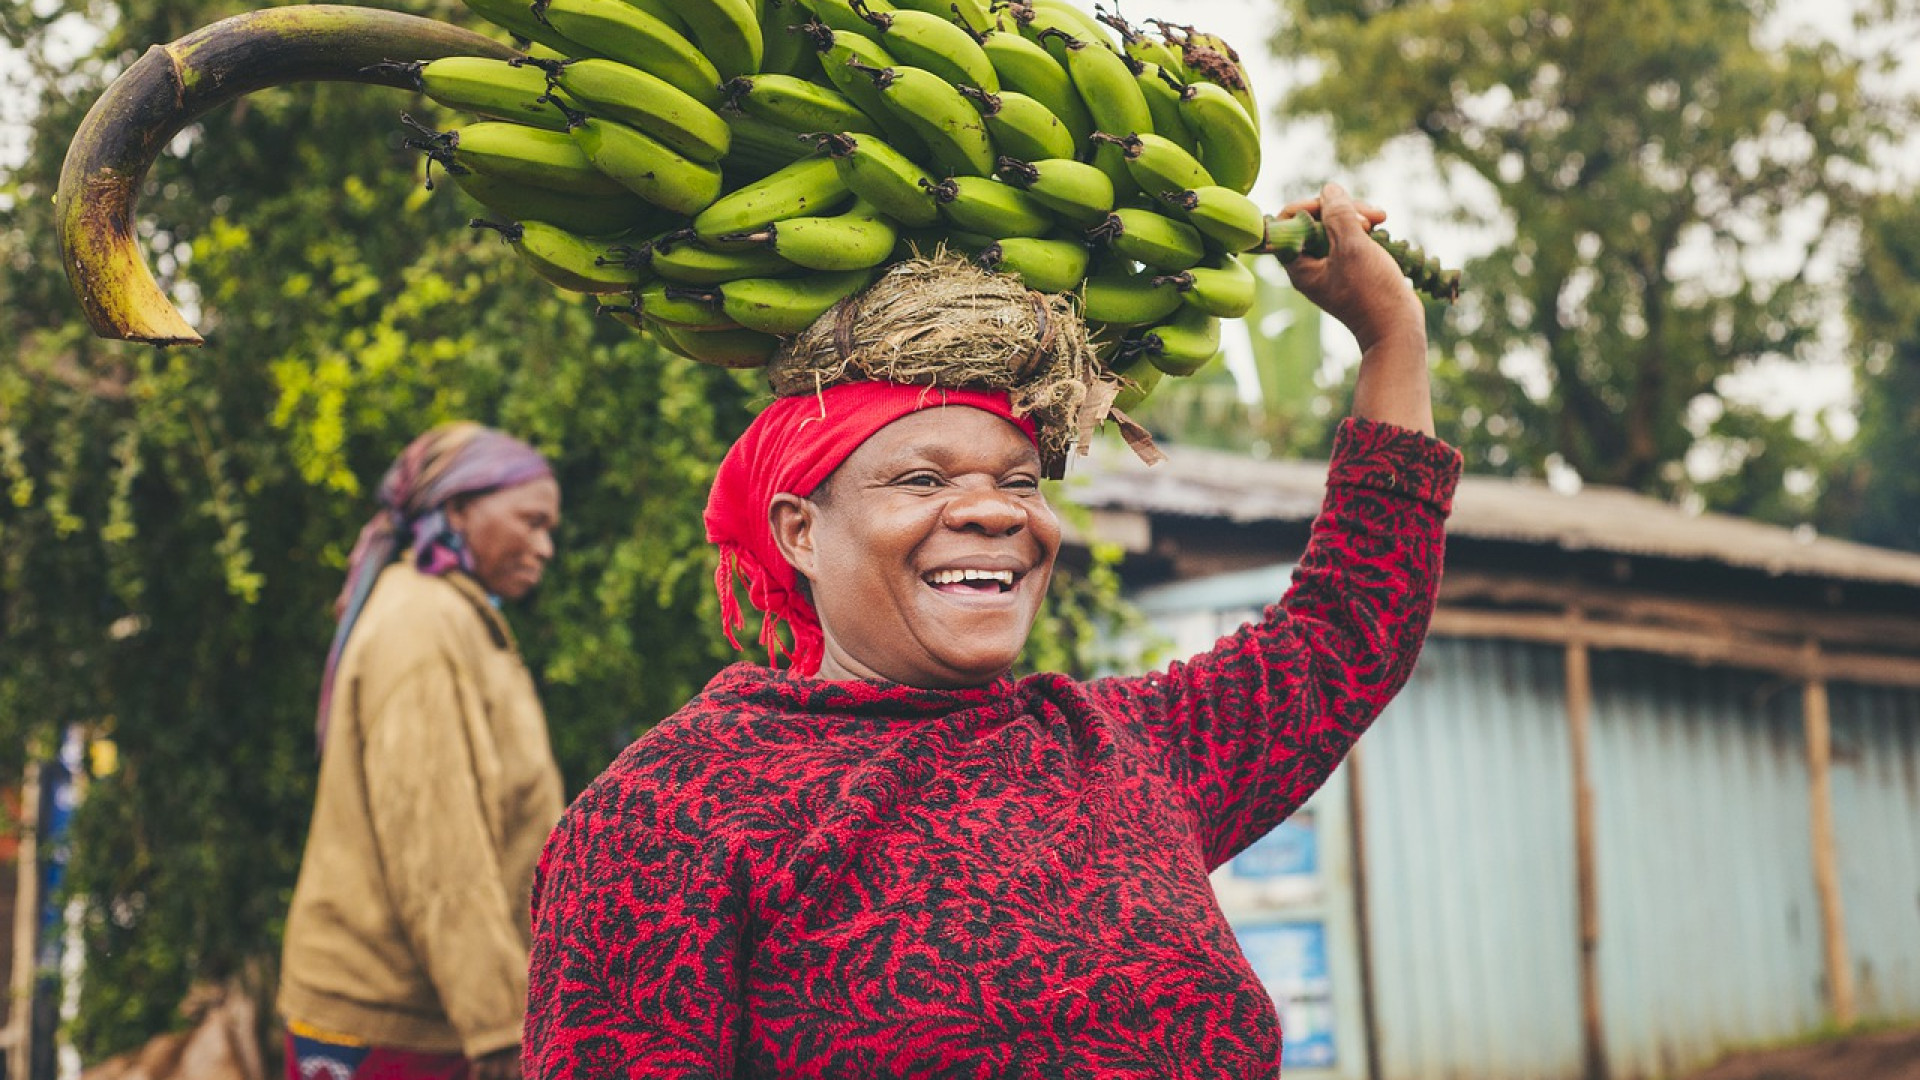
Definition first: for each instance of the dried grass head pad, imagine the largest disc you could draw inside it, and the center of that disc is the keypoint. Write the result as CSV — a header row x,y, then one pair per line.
x,y
942,320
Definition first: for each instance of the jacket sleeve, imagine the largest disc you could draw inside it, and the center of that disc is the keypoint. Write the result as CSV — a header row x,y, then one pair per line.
x,y
639,943
439,849
1254,726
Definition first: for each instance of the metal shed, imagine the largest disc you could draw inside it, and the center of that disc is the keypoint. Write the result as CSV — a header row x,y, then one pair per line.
x,y
1652,793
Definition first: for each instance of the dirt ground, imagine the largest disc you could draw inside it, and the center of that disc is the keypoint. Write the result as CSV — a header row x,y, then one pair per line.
x,y
1883,1055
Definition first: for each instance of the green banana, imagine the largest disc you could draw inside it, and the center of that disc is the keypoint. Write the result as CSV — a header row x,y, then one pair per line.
x,y
683,306
617,91
1209,57
808,186
168,88
1124,298
855,240
1062,13
783,49
1021,127
1222,285
1157,163
648,167
1050,24
1162,92
1078,192
518,19
1030,69
1111,158
1151,238
759,147
727,31
566,260
680,257
1106,84
1182,343
884,177
927,241
1140,47
975,15
787,305
1138,379
986,206
844,15
934,42
527,155
1229,219
796,104
496,89
952,129
588,215
737,348
1228,139
620,31
1048,264
836,48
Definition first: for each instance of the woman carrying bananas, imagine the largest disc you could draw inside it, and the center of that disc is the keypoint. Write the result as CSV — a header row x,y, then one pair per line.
x,y
892,859
405,954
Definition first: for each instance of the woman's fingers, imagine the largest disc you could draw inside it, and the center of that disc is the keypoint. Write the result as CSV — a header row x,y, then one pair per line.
x,y
1318,206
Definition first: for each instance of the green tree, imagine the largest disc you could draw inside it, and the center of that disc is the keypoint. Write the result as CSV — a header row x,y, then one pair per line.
x,y
1665,181
174,525
1875,496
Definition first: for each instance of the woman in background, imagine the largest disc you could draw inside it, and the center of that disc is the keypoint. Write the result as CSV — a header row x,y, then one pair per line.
x,y
406,946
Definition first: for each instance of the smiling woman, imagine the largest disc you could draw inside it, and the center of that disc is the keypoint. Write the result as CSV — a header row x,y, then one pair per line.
x,y
890,858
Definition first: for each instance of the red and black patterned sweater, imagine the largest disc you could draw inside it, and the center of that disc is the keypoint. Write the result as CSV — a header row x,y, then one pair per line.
x,y
799,878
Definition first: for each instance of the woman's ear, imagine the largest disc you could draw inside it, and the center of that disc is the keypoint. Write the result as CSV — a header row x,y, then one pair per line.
x,y
792,518
457,514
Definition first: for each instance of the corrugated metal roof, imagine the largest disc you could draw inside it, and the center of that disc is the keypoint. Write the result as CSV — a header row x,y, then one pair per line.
x,y
1210,484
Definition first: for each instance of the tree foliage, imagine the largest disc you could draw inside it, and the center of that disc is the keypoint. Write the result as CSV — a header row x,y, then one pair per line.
x,y
1665,181
1876,495
174,525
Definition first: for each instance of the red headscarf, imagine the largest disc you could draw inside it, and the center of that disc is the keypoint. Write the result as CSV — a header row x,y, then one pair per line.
x,y
791,448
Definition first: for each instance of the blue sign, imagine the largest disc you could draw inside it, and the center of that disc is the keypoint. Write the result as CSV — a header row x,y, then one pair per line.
x,y
1291,960
1292,849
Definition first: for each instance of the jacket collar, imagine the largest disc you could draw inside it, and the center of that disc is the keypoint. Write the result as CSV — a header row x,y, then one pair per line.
x,y
470,588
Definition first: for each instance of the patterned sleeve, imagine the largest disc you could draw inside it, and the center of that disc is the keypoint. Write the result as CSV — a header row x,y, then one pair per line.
x,y
637,946
1253,727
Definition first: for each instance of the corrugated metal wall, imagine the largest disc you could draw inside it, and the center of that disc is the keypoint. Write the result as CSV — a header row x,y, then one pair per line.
x,y
1469,830
1710,924
1876,809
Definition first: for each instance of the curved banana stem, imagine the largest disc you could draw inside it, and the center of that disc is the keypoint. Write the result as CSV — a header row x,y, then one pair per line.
x,y
172,85
1291,237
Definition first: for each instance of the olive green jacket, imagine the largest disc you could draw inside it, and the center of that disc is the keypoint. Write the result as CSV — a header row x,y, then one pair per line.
x,y
409,925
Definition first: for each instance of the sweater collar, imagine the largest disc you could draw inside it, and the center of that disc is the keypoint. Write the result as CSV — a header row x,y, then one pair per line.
x,y
756,686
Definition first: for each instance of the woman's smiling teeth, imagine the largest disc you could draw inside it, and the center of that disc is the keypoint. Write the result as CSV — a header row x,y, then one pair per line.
x,y
972,580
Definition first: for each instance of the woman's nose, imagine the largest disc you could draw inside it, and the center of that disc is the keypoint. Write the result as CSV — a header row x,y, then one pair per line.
x,y
988,510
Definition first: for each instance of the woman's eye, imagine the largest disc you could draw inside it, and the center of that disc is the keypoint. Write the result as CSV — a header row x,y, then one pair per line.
x,y
921,480
1023,483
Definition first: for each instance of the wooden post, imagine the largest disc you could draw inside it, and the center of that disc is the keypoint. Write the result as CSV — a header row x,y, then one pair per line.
x,y
26,927
1826,862
1579,710
1357,818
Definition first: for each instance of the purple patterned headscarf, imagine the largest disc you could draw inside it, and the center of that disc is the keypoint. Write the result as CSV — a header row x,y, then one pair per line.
x,y
461,458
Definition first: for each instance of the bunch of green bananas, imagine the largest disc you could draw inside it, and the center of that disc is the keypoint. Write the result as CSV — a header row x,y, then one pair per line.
x,y
730,169
736,167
